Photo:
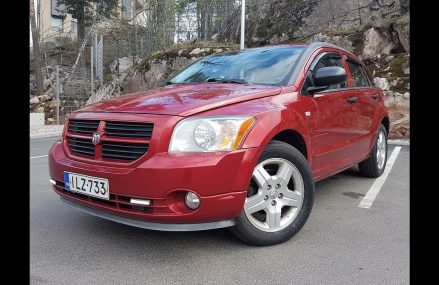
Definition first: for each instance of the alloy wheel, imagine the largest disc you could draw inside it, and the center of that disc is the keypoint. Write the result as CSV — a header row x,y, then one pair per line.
x,y
275,195
381,150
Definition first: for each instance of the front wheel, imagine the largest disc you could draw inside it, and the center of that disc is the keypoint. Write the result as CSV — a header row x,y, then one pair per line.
x,y
279,199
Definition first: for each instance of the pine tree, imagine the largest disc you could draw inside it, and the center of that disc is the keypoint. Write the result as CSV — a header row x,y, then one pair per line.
x,y
83,11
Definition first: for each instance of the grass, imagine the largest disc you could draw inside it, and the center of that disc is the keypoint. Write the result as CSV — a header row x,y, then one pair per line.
x,y
392,70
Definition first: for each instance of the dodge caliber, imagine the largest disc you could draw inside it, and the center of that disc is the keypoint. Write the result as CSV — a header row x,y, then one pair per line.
x,y
233,140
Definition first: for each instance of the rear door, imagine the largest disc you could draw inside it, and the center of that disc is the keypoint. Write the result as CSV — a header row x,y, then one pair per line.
x,y
368,99
333,131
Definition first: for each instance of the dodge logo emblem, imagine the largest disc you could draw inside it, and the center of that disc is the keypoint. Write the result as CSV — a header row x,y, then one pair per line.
x,y
96,138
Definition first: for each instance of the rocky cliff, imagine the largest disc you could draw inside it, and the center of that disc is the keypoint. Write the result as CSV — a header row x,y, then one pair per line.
x,y
378,31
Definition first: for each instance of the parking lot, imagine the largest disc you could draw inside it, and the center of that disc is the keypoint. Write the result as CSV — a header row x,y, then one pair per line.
x,y
342,243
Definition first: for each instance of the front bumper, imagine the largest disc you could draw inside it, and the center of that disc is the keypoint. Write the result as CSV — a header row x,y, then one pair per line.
x,y
220,180
148,225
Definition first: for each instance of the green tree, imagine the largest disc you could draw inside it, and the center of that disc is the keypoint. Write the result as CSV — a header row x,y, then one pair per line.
x,y
84,10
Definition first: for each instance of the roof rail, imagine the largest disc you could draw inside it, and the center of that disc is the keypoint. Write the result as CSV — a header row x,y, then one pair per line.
x,y
315,45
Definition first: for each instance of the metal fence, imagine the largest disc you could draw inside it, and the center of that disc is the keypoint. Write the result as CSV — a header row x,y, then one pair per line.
x,y
157,26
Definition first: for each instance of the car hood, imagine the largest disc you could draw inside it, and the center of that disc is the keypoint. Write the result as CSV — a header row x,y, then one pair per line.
x,y
183,99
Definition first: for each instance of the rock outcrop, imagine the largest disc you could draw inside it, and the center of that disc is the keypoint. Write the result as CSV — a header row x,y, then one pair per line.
x,y
151,71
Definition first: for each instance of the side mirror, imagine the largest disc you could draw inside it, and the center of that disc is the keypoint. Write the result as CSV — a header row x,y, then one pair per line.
x,y
326,76
164,83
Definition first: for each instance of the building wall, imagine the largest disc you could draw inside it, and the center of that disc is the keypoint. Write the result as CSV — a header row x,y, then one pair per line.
x,y
141,13
51,23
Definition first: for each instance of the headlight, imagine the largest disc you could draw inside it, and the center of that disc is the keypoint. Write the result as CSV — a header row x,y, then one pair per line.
x,y
210,133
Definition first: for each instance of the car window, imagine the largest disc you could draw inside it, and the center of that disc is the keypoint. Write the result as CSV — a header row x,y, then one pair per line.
x,y
327,60
268,66
358,74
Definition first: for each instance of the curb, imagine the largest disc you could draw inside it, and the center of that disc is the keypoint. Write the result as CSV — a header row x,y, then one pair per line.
x,y
46,135
399,142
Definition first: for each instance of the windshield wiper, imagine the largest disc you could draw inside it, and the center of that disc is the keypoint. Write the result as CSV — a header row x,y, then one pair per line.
x,y
165,83
224,80
220,80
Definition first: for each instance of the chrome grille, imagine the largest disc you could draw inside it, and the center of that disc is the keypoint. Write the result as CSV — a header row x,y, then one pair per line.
x,y
125,141
83,126
128,129
122,150
81,146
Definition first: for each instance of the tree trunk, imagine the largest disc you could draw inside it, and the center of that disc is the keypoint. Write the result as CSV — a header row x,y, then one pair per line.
x,y
81,23
208,21
36,50
199,30
201,8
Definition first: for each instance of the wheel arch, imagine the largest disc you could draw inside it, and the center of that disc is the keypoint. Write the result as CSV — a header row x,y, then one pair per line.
x,y
386,122
285,125
293,138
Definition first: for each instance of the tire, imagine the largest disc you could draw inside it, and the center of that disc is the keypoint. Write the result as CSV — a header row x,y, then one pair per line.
x,y
375,164
286,203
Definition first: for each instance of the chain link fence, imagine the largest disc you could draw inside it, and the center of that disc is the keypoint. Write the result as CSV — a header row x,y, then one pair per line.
x,y
155,25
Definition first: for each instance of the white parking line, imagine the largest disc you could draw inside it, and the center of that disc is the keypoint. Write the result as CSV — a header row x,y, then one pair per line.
x,y
376,186
32,157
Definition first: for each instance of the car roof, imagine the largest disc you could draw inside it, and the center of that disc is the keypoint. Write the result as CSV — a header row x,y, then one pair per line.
x,y
311,47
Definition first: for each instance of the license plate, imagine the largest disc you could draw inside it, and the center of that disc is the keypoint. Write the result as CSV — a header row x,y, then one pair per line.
x,y
87,185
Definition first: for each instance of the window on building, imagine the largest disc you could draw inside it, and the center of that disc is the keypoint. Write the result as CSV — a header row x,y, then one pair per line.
x,y
58,13
74,26
58,10
57,24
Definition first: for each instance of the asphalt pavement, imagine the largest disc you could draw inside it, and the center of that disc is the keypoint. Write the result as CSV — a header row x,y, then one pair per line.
x,y
340,244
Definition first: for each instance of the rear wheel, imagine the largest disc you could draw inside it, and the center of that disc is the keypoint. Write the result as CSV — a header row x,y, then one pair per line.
x,y
279,198
376,163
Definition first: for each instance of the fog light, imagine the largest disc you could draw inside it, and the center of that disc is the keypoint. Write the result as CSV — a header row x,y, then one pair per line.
x,y
192,200
52,181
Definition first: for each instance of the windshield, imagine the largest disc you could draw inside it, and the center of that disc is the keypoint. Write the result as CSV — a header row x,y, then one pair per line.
x,y
268,66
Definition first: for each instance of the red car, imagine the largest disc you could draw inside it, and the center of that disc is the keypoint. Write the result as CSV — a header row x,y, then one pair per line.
x,y
233,140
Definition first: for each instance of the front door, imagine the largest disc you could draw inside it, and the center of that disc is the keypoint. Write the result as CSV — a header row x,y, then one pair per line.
x,y
333,130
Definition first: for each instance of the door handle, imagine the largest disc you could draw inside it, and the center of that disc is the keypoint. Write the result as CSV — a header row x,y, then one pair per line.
x,y
375,96
352,99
